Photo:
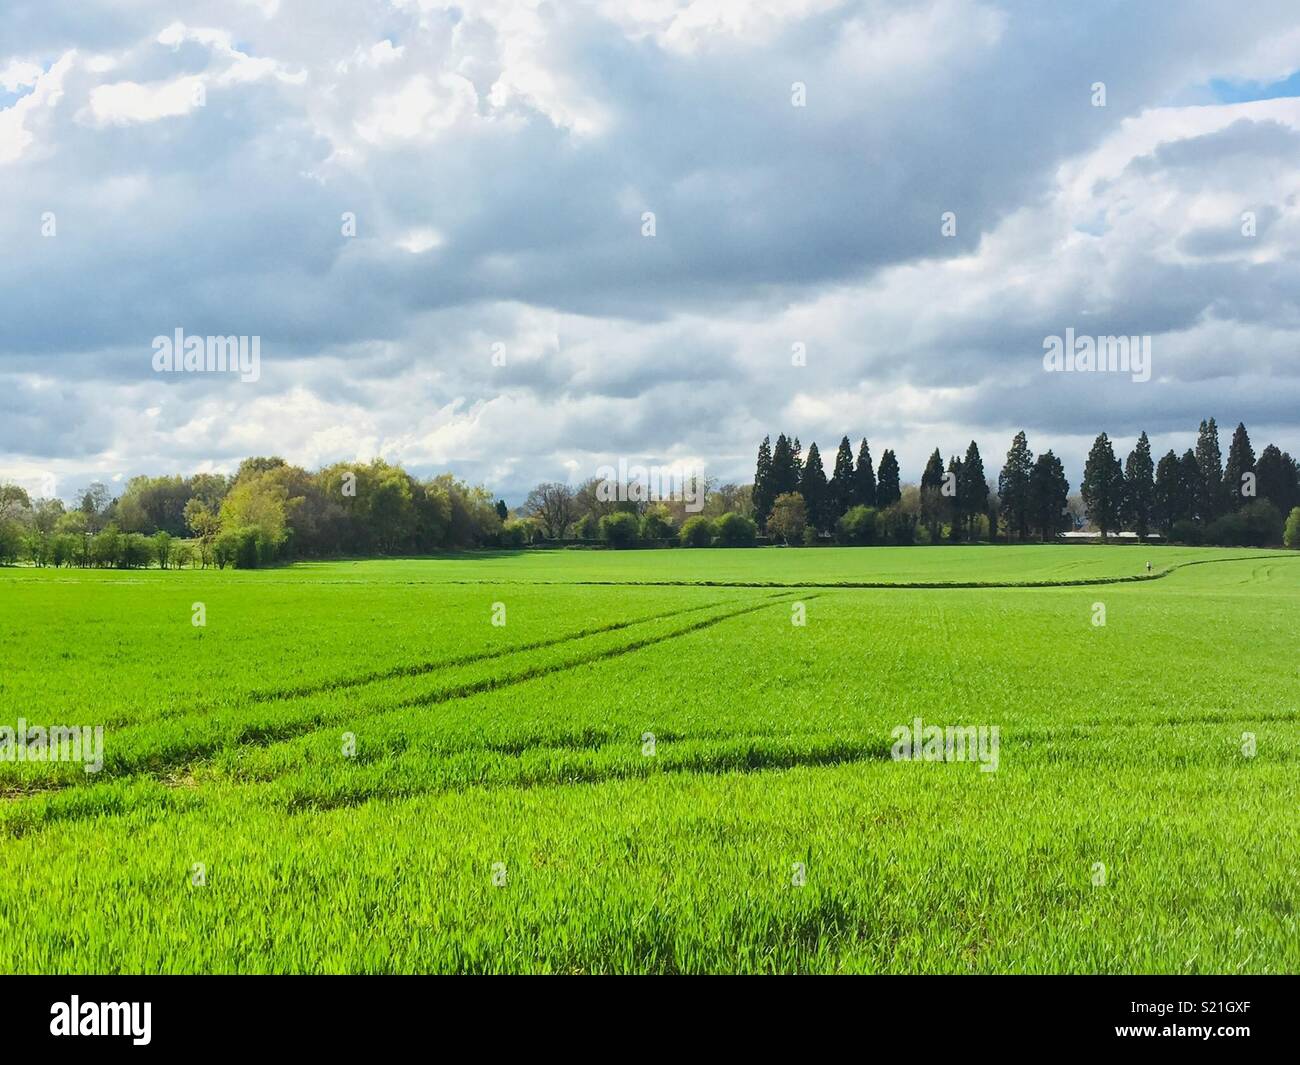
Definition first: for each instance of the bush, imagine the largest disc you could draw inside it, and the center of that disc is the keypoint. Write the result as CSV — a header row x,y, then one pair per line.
x,y
588,527
1292,535
63,549
857,526
896,526
736,530
182,554
244,548
136,551
657,524
1256,524
696,532
1263,523
1186,531
514,534
619,529
810,536
106,547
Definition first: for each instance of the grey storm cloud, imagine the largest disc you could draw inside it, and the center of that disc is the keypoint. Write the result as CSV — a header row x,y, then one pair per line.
x,y
498,159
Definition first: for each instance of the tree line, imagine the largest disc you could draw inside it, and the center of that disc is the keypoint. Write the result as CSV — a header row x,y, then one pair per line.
x,y
267,511
270,510
1193,498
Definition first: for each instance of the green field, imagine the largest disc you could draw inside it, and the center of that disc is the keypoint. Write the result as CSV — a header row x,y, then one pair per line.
x,y
503,811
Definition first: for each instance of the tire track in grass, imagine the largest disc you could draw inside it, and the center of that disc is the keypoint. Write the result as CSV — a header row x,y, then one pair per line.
x,y
266,733
492,683
736,755
416,669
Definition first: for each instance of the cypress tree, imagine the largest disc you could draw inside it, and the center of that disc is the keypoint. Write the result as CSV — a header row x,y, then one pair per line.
x,y
1210,501
972,488
813,488
951,489
931,494
1192,483
888,489
762,493
864,478
1277,480
1139,488
1241,461
1049,492
1013,486
841,487
1103,486
1168,503
785,478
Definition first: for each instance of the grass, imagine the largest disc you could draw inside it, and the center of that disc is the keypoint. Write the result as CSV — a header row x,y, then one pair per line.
x,y
518,750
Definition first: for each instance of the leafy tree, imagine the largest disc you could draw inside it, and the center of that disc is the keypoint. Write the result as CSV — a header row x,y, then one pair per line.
x,y
205,525
46,514
1049,493
553,505
1211,499
14,502
789,518
1013,485
256,502
93,501
162,548
208,488
1103,486
1139,488
888,488
503,511
1241,461
106,547
814,489
11,543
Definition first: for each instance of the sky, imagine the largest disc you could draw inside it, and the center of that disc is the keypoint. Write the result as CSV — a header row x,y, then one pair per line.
x,y
519,241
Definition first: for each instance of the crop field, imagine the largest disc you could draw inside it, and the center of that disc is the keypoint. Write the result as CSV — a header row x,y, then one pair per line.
x,y
659,761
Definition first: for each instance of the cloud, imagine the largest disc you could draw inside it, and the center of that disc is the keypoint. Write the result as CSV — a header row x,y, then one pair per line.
x,y
432,216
